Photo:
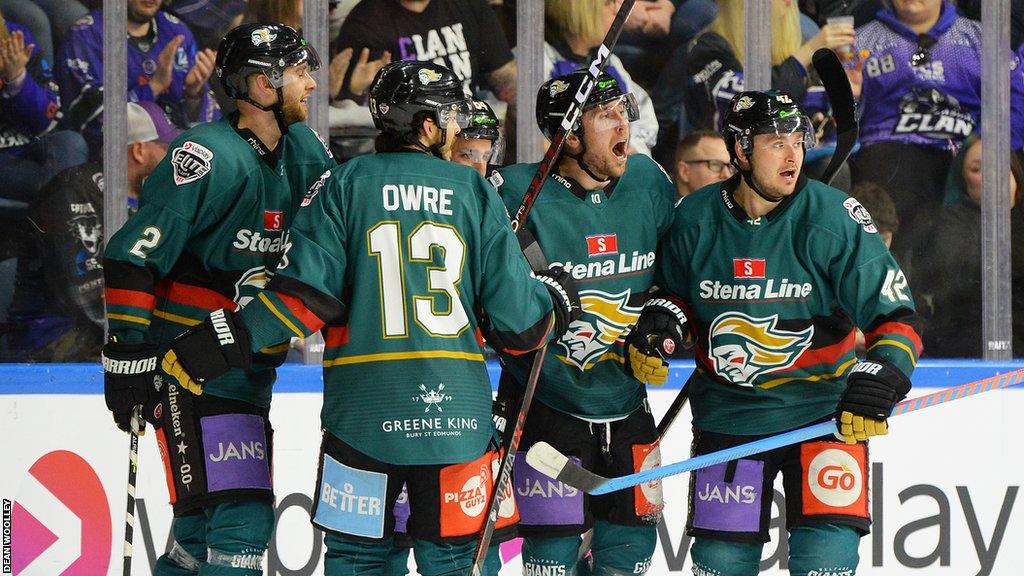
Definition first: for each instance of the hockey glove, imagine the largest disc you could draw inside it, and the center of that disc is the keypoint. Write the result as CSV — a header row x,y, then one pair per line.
x,y
659,332
873,388
564,297
208,350
128,373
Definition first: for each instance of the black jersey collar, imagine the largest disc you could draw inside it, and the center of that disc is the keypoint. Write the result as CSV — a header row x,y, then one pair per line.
x,y
145,42
577,189
271,157
728,191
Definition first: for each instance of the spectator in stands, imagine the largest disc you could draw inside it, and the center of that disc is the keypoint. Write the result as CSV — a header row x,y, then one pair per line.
x,y
921,98
701,159
715,69
164,66
572,33
57,313
208,20
877,201
48,20
952,271
287,12
31,152
463,35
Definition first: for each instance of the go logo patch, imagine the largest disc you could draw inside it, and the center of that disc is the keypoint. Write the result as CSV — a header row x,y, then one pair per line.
x,y
190,161
835,478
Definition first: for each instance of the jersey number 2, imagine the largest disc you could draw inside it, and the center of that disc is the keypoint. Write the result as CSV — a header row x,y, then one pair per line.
x,y
385,241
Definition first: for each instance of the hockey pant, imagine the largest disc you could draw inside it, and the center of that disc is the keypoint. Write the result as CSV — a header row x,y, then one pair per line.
x,y
553,515
227,539
826,488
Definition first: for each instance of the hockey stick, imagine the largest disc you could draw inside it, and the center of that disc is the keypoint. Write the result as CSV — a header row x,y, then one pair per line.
x,y
133,466
673,411
844,109
553,463
573,114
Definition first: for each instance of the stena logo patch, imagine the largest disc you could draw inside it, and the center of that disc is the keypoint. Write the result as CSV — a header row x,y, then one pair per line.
x,y
190,161
835,478
860,215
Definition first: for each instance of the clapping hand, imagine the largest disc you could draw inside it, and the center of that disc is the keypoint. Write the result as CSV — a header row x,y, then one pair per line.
x,y
14,56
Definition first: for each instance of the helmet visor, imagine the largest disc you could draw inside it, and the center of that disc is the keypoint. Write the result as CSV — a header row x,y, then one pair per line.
x,y
789,125
460,111
305,54
613,113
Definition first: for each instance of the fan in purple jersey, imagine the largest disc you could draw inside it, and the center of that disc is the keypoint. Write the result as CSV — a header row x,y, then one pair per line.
x,y
715,71
921,98
164,65
31,153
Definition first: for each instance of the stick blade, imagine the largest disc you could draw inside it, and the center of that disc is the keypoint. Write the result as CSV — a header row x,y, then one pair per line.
x,y
547,460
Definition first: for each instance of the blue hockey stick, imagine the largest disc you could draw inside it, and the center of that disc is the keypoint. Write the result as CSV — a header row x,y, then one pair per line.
x,y
553,463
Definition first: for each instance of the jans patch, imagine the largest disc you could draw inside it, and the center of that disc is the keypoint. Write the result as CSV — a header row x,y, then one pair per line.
x,y
733,506
544,501
402,510
351,501
834,479
236,452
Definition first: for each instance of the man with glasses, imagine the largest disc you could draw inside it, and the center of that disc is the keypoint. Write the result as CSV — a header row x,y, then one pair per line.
x,y
776,272
701,159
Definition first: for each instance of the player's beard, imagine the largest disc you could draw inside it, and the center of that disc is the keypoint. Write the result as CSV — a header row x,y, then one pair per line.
x,y
294,112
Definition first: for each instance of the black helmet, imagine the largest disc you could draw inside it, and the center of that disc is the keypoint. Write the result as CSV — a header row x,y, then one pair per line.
x,y
260,48
483,123
768,112
555,96
407,87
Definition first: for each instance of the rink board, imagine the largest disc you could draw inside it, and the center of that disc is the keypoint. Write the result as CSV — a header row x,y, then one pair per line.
x,y
946,482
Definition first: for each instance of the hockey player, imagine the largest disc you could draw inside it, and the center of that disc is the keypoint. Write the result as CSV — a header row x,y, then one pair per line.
x,y
775,273
399,253
479,143
211,227
600,216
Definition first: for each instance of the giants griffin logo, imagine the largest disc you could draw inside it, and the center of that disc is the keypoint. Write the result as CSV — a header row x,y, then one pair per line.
x,y
605,318
743,347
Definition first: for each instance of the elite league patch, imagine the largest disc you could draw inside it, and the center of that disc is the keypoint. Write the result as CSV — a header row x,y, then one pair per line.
x,y
860,215
191,162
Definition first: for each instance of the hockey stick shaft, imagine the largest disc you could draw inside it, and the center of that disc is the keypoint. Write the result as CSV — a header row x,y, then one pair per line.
x,y
594,484
504,476
533,190
840,96
673,411
133,466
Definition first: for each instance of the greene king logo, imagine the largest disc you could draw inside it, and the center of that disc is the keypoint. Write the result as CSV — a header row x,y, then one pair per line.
x,y
432,398
605,318
743,347
60,519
